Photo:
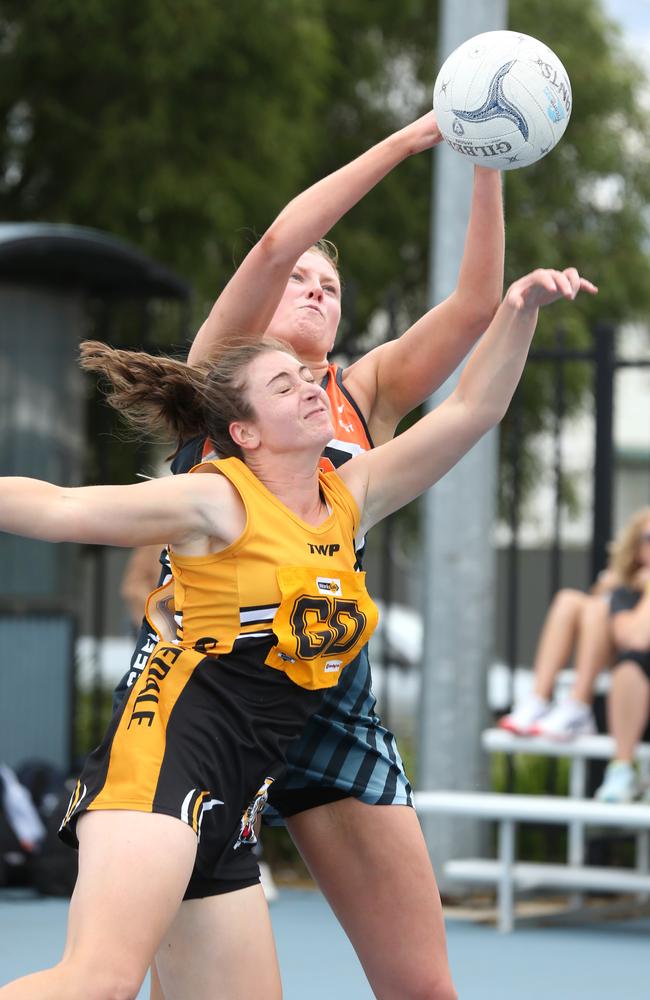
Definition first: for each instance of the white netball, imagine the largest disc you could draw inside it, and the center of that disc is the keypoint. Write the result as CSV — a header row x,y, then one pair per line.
x,y
502,99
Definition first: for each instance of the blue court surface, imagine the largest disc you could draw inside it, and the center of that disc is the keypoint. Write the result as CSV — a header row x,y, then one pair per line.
x,y
593,961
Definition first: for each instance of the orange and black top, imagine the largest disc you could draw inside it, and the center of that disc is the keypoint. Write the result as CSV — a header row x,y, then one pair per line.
x,y
351,434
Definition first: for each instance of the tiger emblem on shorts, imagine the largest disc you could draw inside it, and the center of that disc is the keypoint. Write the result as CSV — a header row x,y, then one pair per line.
x,y
247,834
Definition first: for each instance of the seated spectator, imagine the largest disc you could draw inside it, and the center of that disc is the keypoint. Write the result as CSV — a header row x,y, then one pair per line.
x,y
578,628
628,703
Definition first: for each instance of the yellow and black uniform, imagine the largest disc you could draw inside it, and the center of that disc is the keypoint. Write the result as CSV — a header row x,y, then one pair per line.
x,y
351,436
343,750
262,628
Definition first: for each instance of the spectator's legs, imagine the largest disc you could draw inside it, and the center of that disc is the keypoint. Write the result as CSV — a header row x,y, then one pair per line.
x,y
628,706
594,649
557,638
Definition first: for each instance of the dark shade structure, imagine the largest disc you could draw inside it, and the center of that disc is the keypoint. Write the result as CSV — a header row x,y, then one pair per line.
x,y
75,257
49,275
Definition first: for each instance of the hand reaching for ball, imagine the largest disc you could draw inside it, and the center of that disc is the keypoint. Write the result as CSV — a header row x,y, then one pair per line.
x,y
422,134
546,285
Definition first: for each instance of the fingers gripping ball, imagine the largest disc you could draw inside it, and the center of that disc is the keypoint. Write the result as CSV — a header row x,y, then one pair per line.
x,y
502,99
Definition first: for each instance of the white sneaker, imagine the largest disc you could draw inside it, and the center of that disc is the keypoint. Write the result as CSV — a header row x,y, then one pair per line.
x,y
525,715
268,884
565,721
620,783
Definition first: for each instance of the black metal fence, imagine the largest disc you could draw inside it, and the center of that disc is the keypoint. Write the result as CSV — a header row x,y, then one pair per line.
x,y
578,383
603,365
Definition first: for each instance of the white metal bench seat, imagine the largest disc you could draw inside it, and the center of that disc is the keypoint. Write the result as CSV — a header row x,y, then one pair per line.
x,y
529,875
581,747
507,811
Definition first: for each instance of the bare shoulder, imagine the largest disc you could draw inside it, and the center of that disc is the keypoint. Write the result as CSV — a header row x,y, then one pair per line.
x,y
209,482
219,502
362,381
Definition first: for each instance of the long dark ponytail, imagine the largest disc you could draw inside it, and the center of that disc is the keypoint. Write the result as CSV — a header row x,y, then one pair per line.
x,y
161,394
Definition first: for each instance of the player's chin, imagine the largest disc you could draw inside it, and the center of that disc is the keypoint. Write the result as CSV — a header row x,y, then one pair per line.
x,y
313,334
324,421
320,425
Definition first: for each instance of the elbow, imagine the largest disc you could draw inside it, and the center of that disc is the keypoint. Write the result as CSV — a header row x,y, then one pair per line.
x,y
488,415
480,415
478,312
476,422
267,245
274,249
493,307
484,317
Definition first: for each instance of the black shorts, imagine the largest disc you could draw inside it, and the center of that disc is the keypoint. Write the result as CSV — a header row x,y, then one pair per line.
x,y
202,739
626,599
639,656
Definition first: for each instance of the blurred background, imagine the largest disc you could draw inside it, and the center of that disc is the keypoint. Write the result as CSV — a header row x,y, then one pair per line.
x,y
144,147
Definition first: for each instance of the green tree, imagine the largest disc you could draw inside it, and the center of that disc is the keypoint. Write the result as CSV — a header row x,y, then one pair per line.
x,y
585,204
180,126
185,126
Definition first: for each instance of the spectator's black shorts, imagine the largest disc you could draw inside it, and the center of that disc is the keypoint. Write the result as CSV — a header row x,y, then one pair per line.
x,y
639,656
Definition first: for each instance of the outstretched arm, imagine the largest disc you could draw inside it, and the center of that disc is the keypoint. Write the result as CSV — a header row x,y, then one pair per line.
x,y
395,473
399,375
249,300
177,510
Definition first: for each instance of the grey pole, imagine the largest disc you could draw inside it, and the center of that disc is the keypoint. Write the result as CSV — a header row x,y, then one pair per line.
x,y
459,569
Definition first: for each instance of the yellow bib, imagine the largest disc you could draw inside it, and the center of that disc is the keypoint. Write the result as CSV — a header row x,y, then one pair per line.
x,y
322,622
283,581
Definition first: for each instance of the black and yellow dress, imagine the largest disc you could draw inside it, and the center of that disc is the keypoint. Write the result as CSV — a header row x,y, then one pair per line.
x,y
262,628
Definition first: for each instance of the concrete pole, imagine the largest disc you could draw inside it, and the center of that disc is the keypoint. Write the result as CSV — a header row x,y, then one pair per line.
x,y
459,513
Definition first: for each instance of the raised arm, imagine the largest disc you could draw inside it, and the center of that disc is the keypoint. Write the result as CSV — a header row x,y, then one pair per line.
x,y
398,376
180,510
247,303
395,473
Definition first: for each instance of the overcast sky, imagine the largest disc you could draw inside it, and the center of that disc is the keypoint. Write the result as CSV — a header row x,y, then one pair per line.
x,y
634,16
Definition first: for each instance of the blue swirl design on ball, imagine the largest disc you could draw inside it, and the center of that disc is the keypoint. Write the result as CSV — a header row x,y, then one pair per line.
x,y
497,105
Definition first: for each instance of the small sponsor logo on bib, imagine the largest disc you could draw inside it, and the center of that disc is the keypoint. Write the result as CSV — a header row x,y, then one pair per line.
x,y
327,585
332,666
